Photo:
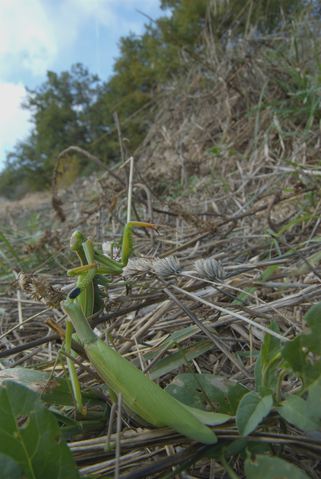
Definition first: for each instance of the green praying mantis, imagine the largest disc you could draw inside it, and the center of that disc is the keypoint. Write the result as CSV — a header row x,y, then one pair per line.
x,y
141,395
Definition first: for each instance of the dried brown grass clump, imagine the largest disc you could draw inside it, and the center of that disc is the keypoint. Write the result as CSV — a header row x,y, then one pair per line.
x,y
236,122
30,201
40,289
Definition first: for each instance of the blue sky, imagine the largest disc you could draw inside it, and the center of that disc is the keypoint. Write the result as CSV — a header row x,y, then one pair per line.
x,y
41,35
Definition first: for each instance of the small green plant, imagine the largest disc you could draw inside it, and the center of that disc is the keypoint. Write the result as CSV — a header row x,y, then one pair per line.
x,y
269,406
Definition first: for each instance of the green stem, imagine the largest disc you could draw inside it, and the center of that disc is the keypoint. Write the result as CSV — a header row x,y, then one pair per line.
x,y
232,474
278,386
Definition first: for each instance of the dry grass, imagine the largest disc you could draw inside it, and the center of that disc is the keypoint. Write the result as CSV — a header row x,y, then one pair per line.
x,y
31,201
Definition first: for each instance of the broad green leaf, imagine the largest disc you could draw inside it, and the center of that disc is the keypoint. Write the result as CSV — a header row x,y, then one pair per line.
x,y
9,468
304,413
313,314
302,353
294,410
239,445
57,392
29,434
251,411
205,391
267,467
53,390
314,398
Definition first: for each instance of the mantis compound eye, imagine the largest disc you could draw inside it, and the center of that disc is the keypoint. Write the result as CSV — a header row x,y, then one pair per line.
x,y
74,293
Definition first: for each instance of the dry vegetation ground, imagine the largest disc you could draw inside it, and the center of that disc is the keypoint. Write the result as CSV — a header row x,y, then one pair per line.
x,y
220,183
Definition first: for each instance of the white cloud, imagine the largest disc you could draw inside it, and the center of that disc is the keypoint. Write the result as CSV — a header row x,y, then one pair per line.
x,y
13,120
34,36
26,37
34,33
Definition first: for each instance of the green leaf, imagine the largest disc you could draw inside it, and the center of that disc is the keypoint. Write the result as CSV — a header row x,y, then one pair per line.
x,y
175,360
252,409
53,390
268,363
314,398
267,467
29,434
294,410
304,413
207,391
271,344
302,353
9,468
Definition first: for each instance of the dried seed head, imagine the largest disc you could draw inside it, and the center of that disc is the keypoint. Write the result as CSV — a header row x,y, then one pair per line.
x,y
40,289
210,269
138,266
166,266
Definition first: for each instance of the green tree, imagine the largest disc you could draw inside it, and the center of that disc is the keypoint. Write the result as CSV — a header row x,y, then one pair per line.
x,y
59,108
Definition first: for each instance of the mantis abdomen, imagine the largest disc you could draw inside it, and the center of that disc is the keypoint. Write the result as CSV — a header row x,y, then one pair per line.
x,y
140,394
143,396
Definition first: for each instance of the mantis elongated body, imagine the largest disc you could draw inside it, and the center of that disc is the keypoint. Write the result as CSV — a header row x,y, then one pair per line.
x,y
141,395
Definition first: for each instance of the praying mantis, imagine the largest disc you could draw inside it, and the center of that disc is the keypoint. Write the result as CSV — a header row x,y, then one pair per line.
x,y
140,394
